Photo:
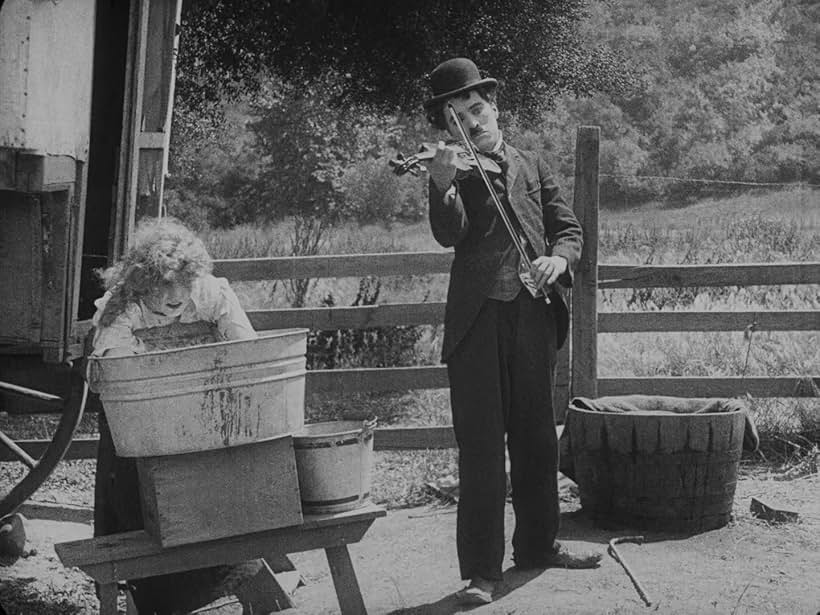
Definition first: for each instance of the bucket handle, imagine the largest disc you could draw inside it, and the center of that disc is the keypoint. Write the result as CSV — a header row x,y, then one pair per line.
x,y
367,430
93,373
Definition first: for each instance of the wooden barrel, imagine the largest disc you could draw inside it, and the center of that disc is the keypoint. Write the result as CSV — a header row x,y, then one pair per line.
x,y
657,470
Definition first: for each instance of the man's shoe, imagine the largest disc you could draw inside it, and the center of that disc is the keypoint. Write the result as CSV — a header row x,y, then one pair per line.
x,y
562,557
478,592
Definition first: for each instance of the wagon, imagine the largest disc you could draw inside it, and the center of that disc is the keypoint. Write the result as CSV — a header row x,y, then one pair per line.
x,y
84,130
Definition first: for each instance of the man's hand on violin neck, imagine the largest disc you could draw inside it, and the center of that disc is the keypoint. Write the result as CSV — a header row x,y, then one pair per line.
x,y
546,270
443,166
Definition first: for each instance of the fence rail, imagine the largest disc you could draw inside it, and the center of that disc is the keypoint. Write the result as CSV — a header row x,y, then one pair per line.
x,y
425,263
404,314
591,278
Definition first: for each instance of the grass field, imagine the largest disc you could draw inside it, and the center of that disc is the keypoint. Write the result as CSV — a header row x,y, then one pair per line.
x,y
754,228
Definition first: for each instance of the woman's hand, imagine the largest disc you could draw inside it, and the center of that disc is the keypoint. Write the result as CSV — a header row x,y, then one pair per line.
x,y
442,167
546,270
119,352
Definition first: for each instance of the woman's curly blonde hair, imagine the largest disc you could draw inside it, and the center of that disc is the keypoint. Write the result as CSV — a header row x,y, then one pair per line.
x,y
164,252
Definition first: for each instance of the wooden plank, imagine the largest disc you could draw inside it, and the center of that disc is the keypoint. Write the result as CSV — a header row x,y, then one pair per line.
x,y
422,263
711,387
81,448
75,256
584,349
410,438
21,242
56,229
41,173
196,497
262,593
55,511
174,30
730,274
344,580
148,183
122,223
228,551
562,383
405,378
373,379
137,544
159,50
108,598
135,555
46,58
136,162
151,140
334,266
358,317
766,320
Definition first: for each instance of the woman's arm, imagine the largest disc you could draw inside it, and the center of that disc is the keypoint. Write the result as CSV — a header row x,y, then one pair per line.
x,y
116,339
223,308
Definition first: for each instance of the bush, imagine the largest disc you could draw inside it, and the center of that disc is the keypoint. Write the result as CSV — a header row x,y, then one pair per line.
x,y
374,347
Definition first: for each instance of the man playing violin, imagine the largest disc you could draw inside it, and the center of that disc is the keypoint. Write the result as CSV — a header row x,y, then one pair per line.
x,y
502,330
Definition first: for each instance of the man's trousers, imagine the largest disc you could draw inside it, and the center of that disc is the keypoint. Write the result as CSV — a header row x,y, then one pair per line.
x,y
501,382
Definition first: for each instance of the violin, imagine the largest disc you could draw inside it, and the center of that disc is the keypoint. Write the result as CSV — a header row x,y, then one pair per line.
x,y
466,162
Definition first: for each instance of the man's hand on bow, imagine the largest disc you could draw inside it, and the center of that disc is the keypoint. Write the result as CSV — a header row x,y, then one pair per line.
x,y
546,270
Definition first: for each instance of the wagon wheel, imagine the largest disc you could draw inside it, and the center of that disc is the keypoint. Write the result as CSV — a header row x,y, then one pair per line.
x,y
40,470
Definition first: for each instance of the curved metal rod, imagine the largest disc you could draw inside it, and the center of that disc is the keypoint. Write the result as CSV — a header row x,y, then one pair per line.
x,y
72,413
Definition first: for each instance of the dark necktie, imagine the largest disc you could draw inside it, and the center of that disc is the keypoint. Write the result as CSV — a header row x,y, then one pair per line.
x,y
500,158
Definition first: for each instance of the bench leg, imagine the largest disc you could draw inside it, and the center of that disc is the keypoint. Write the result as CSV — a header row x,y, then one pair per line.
x,y
262,594
130,605
108,599
344,580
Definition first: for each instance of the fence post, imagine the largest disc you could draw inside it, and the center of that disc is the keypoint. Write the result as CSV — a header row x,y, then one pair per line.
x,y
584,348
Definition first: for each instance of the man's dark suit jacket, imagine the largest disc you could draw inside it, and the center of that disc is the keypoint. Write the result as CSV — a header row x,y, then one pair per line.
x,y
471,224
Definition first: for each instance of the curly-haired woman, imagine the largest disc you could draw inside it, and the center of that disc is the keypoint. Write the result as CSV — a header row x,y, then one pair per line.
x,y
164,278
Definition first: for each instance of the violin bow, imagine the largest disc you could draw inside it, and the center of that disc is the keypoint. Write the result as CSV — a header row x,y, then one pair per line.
x,y
525,258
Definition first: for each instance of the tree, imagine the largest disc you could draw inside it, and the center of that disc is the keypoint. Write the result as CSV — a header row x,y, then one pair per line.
x,y
387,48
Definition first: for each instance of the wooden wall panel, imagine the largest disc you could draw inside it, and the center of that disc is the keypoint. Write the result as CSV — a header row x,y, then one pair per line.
x,y
20,267
46,51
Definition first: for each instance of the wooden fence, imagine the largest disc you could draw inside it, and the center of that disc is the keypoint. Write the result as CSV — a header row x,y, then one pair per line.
x,y
580,362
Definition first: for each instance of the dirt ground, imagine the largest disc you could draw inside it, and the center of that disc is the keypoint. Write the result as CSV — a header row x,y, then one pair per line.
x,y
406,565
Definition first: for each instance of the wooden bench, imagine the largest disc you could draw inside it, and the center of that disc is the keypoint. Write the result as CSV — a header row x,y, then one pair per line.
x,y
134,555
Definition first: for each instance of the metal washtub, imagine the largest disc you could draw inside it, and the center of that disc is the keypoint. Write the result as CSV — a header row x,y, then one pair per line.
x,y
203,397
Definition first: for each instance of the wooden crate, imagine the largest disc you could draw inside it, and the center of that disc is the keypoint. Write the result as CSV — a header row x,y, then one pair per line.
x,y
195,497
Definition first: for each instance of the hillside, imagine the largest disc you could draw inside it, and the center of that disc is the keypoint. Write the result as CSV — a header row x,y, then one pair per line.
x,y
726,92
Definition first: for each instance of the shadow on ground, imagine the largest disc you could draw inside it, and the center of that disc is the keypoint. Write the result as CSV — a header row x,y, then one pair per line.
x,y
21,595
513,579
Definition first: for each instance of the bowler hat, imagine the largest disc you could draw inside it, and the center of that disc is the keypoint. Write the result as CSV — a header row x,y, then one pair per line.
x,y
453,77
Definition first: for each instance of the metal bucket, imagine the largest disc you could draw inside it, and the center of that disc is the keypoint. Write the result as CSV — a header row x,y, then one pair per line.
x,y
203,397
333,462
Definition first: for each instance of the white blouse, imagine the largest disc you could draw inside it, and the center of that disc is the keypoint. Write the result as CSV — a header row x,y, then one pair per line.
x,y
212,300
